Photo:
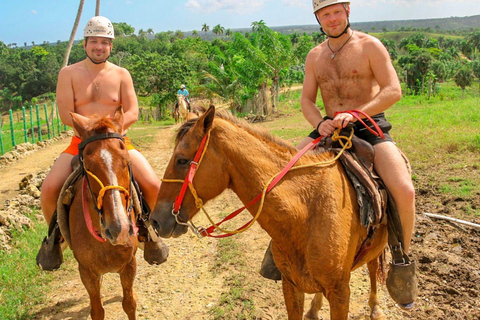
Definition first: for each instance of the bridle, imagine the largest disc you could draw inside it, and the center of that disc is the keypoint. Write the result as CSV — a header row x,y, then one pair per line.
x,y
195,163
98,201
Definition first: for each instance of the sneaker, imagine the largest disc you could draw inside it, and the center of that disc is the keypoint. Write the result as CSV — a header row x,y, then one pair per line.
x,y
50,255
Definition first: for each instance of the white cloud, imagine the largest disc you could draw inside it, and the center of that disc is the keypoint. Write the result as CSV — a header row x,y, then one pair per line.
x,y
230,6
411,3
297,3
34,12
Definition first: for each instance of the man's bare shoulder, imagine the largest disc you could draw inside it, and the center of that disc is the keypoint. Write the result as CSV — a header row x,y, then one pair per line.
x,y
368,40
73,68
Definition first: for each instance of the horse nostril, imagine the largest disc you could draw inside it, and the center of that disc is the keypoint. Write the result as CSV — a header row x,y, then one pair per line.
x,y
108,234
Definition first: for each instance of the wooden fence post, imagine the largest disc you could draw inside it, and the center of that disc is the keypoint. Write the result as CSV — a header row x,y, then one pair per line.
x,y
25,132
40,138
31,124
12,132
49,134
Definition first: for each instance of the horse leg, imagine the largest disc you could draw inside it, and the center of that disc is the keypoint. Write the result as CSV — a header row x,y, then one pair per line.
x,y
127,276
315,307
339,299
92,283
294,300
376,312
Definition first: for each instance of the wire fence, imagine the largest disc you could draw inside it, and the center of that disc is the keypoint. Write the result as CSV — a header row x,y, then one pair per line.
x,y
30,124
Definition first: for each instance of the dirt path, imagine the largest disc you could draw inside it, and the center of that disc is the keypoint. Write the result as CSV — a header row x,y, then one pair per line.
x,y
191,282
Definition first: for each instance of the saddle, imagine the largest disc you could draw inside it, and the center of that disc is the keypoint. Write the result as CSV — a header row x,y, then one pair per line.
x,y
375,202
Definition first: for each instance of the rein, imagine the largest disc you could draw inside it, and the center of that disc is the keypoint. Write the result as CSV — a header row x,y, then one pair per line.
x,y
188,182
98,201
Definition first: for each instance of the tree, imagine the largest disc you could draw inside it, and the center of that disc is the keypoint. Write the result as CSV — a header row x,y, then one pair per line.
x,y
474,41
205,29
97,8
464,77
122,29
218,29
74,31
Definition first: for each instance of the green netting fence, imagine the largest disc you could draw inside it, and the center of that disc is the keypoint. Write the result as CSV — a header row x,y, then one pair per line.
x,y
30,124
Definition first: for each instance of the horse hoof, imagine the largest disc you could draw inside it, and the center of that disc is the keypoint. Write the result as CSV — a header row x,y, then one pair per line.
x,y
49,256
155,253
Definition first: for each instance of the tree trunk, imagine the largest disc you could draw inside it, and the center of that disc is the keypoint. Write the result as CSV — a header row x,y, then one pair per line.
x,y
97,8
72,35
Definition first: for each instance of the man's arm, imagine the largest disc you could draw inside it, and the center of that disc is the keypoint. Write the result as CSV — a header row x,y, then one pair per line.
x,y
65,96
309,97
128,99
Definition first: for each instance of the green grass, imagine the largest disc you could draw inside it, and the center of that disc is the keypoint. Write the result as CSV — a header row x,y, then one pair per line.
x,y
22,284
234,303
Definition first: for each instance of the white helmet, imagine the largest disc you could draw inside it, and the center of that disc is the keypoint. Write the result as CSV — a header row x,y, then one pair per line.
x,y
182,86
99,26
319,4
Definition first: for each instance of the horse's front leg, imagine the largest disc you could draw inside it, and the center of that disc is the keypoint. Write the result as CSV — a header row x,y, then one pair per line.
x,y
127,276
294,300
339,299
376,312
92,283
315,307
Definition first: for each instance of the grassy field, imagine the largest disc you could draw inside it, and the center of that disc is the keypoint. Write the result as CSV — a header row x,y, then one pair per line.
x,y
441,136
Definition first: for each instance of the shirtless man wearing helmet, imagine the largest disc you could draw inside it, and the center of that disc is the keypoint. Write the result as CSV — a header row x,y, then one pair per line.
x,y
96,86
353,70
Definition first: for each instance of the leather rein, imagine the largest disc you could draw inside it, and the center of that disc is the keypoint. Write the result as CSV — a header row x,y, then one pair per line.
x,y
98,201
195,163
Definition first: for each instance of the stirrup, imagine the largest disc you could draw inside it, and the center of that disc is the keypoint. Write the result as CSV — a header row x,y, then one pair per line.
x,y
50,255
269,269
402,284
155,252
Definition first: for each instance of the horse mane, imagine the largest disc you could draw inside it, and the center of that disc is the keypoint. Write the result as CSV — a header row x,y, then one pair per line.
x,y
101,124
259,132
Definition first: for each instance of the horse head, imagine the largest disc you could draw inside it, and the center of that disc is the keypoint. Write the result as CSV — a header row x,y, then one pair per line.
x,y
190,139
107,180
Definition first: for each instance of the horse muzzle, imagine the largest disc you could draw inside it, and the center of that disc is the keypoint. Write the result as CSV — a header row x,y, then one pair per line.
x,y
165,223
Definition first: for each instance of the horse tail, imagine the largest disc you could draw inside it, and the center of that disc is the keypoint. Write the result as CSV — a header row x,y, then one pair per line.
x,y
382,267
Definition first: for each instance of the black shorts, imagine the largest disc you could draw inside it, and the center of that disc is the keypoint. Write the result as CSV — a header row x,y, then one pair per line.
x,y
363,133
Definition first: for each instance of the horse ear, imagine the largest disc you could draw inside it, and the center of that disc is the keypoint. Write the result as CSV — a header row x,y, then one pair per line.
x,y
205,121
118,118
79,123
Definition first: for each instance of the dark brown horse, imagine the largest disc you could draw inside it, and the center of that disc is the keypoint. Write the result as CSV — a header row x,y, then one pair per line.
x,y
311,215
104,195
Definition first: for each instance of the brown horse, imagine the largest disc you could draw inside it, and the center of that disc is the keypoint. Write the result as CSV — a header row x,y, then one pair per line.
x,y
103,197
311,215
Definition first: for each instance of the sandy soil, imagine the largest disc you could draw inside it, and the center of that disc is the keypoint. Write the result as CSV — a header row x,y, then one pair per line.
x,y
190,283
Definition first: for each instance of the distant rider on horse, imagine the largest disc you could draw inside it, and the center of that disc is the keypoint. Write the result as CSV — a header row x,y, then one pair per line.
x,y
184,92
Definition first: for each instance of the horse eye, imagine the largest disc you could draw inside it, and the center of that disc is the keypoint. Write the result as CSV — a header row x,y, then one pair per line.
x,y
182,162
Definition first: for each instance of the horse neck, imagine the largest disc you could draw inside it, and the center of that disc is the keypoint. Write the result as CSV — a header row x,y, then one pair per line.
x,y
253,161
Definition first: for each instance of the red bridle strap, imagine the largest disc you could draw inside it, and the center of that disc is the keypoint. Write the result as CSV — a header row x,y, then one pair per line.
x,y
190,174
86,213
377,132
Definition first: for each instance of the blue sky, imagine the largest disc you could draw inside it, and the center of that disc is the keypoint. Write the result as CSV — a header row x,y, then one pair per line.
x,y
51,20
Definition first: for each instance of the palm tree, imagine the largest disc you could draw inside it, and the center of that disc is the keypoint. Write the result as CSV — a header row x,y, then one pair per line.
x,y
195,33
74,30
205,29
97,8
218,29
